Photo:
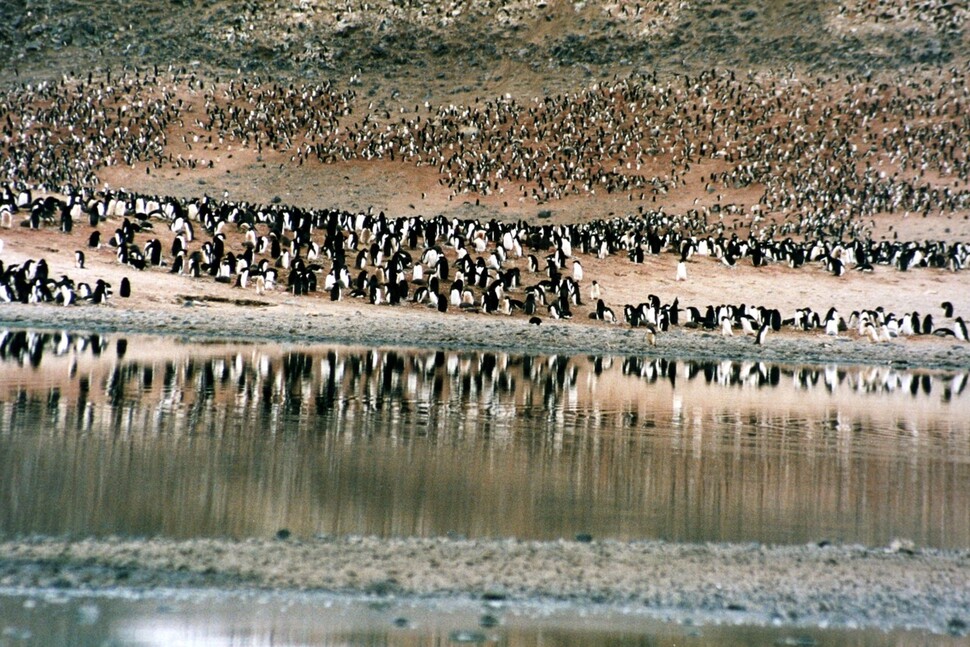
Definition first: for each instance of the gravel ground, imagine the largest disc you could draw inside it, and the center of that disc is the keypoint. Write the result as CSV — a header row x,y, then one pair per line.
x,y
899,586
293,321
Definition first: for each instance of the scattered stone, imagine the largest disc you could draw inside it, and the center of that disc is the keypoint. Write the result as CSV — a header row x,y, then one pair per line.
x,y
901,546
488,620
465,636
957,627
796,641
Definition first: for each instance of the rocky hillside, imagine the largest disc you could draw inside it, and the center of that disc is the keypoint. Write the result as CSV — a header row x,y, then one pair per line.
x,y
310,39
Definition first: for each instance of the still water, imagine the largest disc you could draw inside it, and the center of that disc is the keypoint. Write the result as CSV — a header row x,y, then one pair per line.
x,y
148,436
176,619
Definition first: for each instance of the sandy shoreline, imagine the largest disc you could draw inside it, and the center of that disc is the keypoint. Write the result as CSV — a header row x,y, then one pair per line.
x,y
295,321
808,585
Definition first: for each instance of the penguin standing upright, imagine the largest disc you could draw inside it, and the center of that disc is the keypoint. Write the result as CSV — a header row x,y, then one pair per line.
x,y
681,271
762,334
960,329
124,291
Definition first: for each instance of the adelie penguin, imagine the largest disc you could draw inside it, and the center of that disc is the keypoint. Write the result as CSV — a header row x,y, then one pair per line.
x,y
960,329
79,259
101,292
762,334
124,291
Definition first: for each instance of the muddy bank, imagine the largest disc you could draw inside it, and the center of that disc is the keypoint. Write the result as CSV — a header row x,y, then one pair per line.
x,y
294,321
898,586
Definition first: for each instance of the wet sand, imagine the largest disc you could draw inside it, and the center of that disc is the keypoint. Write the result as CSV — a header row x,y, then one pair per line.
x,y
898,586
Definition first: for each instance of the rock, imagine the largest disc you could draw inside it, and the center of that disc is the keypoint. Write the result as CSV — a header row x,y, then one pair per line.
x,y
957,627
488,621
465,636
901,546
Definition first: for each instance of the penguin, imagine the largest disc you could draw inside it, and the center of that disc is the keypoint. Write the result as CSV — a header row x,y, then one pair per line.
x,y
124,291
577,270
530,302
153,249
746,325
65,295
947,309
836,266
870,331
607,314
441,268
94,240
681,271
832,325
101,292
79,259
762,334
455,293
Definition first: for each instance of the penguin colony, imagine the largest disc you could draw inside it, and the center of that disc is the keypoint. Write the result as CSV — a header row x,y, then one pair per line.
x,y
824,155
828,156
447,264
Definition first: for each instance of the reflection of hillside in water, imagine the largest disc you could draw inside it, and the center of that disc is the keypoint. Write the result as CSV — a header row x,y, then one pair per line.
x,y
104,433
